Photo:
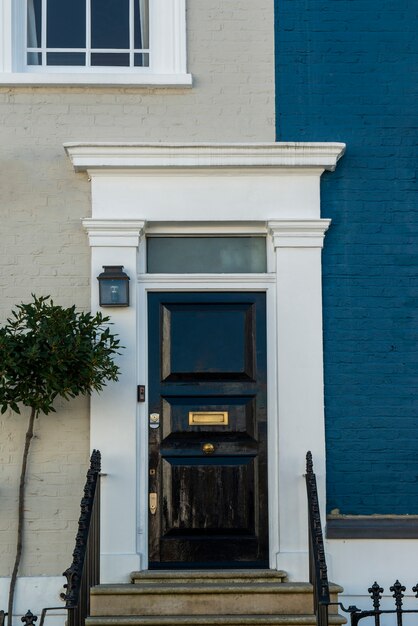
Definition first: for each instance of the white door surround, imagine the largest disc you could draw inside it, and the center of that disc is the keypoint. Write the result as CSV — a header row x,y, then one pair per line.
x,y
140,189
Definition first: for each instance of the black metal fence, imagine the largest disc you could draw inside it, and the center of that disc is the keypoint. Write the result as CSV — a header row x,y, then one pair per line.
x,y
318,574
377,613
84,571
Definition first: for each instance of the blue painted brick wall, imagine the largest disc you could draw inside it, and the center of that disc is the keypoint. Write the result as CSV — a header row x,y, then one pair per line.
x,y
346,70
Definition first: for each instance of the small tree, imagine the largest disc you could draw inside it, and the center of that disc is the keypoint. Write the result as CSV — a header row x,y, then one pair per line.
x,y
48,351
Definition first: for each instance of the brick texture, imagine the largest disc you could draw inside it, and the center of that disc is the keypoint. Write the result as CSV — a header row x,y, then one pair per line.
x,y
347,71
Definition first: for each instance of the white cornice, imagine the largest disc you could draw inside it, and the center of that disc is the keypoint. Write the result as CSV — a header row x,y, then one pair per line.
x,y
114,233
298,233
90,156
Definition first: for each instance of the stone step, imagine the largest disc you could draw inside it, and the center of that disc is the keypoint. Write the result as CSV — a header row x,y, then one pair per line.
x,y
203,598
212,620
212,576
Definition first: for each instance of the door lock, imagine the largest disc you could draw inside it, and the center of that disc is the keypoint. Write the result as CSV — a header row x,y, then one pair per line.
x,y
154,420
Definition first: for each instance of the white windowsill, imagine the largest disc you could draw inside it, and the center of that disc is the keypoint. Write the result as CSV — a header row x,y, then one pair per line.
x,y
128,79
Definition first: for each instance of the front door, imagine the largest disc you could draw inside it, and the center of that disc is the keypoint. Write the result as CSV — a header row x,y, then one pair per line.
x,y
208,429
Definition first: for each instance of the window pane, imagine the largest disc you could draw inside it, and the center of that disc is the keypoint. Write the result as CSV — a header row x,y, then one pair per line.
x,y
66,24
65,58
34,58
34,22
141,40
110,24
141,59
190,255
113,59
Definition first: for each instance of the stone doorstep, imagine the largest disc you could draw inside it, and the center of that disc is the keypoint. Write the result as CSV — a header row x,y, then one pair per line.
x,y
240,575
213,620
207,598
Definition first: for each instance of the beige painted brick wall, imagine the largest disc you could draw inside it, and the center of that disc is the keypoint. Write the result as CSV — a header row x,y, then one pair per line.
x,y
44,250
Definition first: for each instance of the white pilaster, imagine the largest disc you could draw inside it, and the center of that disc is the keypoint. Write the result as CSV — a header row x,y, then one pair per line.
x,y
113,428
300,402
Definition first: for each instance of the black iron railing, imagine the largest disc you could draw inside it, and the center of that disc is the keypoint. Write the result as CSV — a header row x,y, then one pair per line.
x,y
84,571
376,613
318,574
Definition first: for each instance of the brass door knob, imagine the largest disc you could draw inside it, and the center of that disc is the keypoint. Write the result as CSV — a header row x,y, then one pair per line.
x,y
208,448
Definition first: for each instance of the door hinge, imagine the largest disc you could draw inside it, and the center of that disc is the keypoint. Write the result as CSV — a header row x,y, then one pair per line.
x,y
141,393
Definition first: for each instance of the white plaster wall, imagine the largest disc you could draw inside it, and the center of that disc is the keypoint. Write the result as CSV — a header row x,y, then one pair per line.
x,y
44,249
357,563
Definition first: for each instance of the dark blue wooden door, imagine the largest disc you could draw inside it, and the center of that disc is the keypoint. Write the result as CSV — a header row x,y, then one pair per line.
x,y
207,436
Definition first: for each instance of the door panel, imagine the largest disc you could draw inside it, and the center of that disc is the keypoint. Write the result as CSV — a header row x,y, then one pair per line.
x,y
207,365
228,353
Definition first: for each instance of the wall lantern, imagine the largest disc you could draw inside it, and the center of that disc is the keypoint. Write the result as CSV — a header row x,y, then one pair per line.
x,y
113,286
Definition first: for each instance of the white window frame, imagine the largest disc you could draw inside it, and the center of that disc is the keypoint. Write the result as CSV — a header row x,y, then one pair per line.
x,y
167,33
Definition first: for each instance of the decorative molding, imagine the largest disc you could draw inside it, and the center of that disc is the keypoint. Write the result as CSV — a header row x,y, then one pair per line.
x,y
236,229
322,156
372,527
298,233
234,281
114,233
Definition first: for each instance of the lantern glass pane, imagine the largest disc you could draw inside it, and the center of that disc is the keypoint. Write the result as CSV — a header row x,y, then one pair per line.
x,y
114,292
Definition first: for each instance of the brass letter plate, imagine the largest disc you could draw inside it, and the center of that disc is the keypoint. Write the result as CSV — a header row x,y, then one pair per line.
x,y
208,418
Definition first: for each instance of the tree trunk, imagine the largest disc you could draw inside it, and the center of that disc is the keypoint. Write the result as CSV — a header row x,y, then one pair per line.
x,y
21,511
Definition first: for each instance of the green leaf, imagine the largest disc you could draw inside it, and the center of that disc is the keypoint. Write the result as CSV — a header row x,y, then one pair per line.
x,y
48,351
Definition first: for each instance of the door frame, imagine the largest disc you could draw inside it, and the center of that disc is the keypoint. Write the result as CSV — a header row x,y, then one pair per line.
x,y
255,187
197,283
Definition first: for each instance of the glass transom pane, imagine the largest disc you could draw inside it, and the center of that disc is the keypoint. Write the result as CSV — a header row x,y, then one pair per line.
x,y
206,255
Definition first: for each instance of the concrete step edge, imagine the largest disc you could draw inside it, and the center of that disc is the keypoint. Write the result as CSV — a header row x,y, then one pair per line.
x,y
160,575
222,620
203,588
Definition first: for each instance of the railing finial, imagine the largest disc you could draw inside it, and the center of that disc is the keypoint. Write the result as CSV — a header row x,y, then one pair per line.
x,y
29,619
376,594
309,462
397,589
95,461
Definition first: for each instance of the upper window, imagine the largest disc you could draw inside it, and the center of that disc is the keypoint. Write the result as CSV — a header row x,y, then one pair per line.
x,y
87,33
120,42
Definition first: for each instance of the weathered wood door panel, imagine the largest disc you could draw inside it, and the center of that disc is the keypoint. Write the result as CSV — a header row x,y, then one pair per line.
x,y
207,384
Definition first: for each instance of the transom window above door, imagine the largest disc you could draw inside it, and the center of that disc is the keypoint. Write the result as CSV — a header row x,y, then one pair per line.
x,y
206,255
88,33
